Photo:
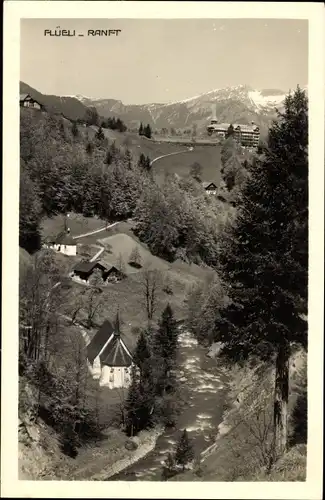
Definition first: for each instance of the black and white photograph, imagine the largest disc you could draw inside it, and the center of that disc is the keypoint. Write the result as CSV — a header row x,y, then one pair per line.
x,y
164,250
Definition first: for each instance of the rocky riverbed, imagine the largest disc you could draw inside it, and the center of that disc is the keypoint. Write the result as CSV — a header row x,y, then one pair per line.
x,y
204,387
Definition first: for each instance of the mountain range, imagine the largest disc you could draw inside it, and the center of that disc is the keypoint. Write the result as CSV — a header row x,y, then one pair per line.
x,y
239,104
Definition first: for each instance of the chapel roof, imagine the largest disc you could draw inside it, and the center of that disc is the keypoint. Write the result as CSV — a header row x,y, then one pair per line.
x,y
108,344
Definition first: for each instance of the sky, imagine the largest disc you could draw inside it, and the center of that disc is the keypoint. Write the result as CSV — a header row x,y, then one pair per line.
x,y
163,60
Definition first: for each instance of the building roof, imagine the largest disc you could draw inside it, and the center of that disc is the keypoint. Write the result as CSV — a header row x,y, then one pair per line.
x,y
219,126
108,344
23,97
208,184
106,264
99,340
65,238
115,353
85,266
245,127
223,127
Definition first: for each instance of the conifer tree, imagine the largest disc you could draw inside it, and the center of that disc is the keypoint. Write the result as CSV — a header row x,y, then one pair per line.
x,y
62,129
139,405
100,134
141,129
142,353
142,161
128,158
184,451
230,132
112,153
135,257
148,164
147,131
109,157
165,341
264,258
89,148
74,129
132,404
169,469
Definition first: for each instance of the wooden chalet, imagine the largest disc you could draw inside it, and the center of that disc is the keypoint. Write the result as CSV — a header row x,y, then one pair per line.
x,y
27,101
210,187
85,269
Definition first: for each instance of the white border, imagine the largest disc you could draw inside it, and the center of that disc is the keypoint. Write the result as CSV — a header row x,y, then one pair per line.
x,y
13,12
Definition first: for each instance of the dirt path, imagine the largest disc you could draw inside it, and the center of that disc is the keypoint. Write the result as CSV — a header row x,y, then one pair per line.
x,y
169,154
95,232
101,249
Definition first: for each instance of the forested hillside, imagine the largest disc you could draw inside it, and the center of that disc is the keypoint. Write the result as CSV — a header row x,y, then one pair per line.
x,y
63,169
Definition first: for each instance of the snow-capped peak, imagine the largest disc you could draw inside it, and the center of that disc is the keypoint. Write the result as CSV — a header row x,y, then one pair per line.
x,y
83,97
261,101
233,89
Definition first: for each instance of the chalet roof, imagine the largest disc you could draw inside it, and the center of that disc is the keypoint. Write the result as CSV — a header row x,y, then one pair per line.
x,y
106,264
110,347
99,340
85,266
64,238
208,184
22,97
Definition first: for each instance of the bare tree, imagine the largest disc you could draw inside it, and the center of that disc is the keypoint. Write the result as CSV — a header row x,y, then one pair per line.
x,y
151,283
76,306
120,264
93,302
40,299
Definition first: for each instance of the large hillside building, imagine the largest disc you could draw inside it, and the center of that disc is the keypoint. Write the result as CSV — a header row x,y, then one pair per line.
x,y
246,135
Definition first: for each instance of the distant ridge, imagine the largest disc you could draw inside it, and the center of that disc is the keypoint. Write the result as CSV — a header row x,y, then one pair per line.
x,y
237,104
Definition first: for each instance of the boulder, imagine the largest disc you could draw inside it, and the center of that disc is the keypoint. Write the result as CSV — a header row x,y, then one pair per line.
x,y
132,443
214,349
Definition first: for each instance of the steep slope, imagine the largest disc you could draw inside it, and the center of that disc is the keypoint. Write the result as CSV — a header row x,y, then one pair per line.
x,y
243,446
70,107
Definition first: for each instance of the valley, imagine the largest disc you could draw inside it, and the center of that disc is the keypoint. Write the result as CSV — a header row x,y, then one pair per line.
x,y
146,254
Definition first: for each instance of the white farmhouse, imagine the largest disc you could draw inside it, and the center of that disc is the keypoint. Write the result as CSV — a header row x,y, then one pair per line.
x,y
110,361
63,243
